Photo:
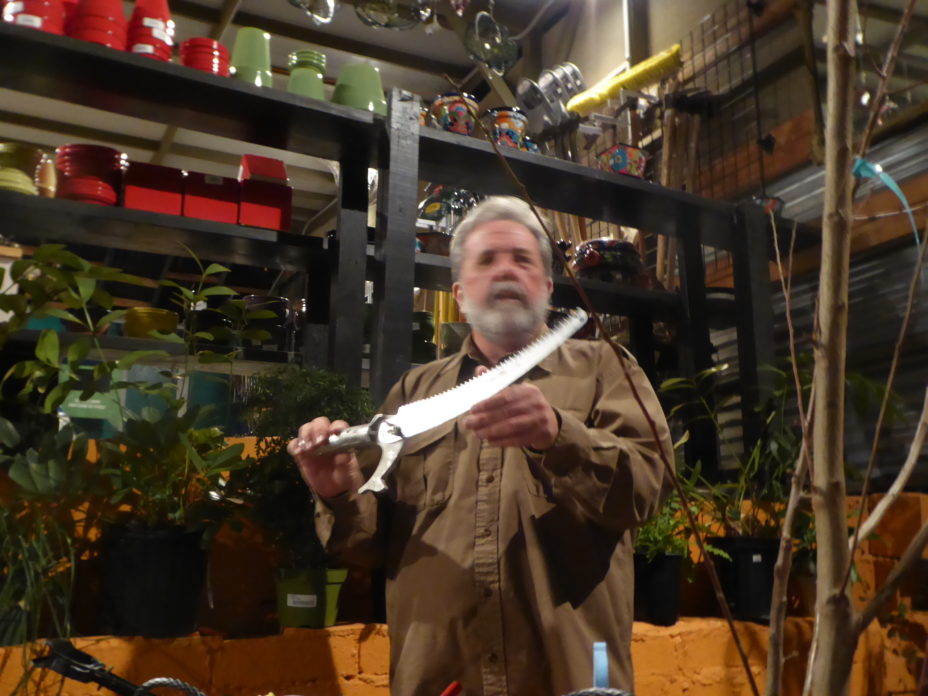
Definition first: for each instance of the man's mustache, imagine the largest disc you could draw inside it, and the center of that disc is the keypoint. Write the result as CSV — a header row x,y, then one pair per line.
x,y
507,289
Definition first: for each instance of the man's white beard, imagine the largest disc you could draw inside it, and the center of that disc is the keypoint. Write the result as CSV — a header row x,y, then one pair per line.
x,y
506,322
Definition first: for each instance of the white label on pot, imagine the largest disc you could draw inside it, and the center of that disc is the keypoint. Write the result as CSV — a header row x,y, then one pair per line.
x,y
143,48
27,20
162,35
13,8
756,558
153,23
302,601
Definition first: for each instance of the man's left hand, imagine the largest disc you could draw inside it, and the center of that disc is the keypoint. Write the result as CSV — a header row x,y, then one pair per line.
x,y
518,416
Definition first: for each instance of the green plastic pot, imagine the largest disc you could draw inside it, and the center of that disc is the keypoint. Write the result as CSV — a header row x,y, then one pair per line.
x,y
309,598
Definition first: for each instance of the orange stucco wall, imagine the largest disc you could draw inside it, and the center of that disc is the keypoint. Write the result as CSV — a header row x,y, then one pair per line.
x,y
695,657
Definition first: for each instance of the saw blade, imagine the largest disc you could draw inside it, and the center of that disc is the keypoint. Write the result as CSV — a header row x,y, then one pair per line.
x,y
425,414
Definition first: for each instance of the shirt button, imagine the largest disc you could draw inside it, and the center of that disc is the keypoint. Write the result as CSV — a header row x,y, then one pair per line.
x,y
487,531
489,478
493,657
487,592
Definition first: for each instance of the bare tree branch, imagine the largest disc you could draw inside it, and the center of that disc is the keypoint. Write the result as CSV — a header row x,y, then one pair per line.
x,y
915,450
774,682
781,570
884,405
910,557
834,653
889,66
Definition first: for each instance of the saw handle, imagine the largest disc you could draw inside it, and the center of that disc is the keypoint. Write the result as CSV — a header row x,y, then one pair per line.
x,y
353,437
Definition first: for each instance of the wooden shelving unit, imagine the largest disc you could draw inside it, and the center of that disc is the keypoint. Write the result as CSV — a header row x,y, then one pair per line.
x,y
95,76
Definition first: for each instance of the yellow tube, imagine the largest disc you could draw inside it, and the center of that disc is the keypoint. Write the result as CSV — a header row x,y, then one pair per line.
x,y
638,76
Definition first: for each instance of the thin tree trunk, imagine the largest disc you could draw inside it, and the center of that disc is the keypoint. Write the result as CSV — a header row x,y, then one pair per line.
x,y
831,667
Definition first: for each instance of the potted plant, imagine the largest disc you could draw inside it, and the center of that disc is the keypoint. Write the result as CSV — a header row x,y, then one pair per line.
x,y
47,488
157,471
279,401
165,469
746,512
663,548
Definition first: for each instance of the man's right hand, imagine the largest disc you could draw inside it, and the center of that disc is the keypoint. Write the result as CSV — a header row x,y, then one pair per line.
x,y
328,475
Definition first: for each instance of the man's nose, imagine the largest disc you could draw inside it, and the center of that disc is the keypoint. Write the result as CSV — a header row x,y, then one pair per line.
x,y
504,268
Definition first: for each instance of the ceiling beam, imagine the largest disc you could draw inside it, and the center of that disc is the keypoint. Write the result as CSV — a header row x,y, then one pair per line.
x,y
307,34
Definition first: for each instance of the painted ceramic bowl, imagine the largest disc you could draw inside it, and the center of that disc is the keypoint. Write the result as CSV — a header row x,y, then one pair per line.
x,y
453,112
506,126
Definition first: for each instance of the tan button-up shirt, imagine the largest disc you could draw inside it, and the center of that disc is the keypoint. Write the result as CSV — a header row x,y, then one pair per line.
x,y
503,565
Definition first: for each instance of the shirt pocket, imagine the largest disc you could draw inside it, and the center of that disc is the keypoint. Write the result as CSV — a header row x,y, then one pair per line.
x,y
425,472
539,479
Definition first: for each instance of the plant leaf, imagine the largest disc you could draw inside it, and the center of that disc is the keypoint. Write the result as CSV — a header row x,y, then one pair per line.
x,y
9,436
217,290
216,268
47,348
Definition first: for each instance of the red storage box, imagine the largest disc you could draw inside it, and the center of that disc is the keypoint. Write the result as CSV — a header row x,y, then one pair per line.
x,y
265,204
258,168
153,187
211,197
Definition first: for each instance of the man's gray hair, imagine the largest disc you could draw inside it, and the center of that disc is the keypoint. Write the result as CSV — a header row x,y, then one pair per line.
x,y
490,210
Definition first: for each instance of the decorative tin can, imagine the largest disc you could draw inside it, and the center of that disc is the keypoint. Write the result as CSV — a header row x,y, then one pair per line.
x,y
623,159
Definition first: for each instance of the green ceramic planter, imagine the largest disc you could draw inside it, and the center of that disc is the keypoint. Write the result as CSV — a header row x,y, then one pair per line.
x,y
359,85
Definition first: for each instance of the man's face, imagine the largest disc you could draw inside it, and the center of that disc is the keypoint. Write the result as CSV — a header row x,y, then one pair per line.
x,y
503,287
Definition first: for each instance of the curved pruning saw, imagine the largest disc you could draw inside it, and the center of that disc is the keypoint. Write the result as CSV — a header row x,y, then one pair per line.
x,y
391,432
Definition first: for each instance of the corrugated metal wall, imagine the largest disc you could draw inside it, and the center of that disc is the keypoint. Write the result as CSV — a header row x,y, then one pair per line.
x,y
879,287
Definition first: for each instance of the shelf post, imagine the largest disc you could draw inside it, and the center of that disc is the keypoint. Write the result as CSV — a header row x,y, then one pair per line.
x,y
349,262
395,245
696,348
754,316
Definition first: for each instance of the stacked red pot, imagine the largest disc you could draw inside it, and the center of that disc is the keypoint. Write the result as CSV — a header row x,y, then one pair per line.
x,y
90,173
100,21
151,29
205,54
47,15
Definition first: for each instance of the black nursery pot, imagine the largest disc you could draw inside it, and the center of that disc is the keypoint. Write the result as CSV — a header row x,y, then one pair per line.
x,y
657,588
152,580
747,579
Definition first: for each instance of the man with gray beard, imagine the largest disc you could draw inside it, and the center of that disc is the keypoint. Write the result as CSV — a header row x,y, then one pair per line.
x,y
506,534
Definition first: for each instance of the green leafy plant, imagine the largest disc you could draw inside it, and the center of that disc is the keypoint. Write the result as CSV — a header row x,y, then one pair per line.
x,y
278,403
161,466
753,502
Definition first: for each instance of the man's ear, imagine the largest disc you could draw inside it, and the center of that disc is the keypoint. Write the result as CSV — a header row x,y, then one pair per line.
x,y
457,293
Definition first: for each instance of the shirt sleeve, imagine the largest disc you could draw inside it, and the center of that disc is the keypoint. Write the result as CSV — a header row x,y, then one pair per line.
x,y
350,526
609,469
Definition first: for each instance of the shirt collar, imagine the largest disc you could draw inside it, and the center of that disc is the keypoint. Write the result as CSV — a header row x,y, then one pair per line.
x,y
469,357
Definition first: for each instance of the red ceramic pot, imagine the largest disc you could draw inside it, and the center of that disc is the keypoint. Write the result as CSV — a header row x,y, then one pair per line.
x,y
104,8
46,15
88,189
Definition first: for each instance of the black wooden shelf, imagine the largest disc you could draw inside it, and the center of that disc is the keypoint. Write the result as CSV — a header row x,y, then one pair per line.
x,y
434,272
472,163
35,220
85,73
